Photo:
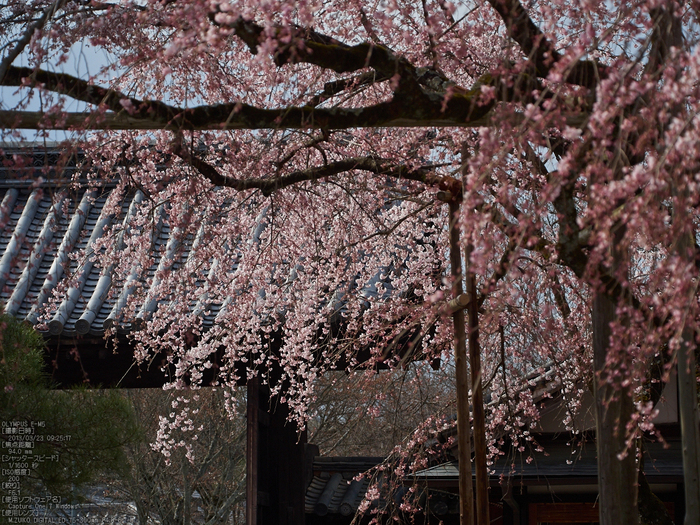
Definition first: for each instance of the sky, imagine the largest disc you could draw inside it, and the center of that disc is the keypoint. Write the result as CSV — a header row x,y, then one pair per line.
x,y
83,61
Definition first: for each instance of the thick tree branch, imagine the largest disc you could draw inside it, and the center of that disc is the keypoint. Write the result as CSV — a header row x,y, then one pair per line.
x,y
538,49
84,91
311,47
335,87
666,34
408,108
523,30
412,108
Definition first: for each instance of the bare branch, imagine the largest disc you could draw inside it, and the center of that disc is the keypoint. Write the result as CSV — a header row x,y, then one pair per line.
x,y
268,186
368,27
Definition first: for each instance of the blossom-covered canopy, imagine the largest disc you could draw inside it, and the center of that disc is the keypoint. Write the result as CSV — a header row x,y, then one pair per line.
x,y
302,151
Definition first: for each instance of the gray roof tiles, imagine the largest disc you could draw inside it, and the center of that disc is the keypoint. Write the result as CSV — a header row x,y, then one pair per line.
x,y
41,232
334,488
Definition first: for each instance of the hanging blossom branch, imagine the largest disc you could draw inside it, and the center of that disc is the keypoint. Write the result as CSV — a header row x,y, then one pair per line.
x,y
378,166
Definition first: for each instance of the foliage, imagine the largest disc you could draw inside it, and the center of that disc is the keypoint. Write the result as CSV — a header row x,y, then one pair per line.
x,y
82,432
369,413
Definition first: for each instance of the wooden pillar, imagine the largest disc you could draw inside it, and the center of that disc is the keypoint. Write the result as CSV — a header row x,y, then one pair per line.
x,y
275,462
252,431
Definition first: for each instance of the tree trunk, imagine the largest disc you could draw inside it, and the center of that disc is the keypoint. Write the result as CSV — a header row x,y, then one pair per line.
x,y
688,409
479,419
617,475
687,387
466,492
187,496
651,509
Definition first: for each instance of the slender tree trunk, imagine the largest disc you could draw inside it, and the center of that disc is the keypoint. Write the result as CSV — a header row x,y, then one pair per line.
x,y
688,408
478,416
466,497
186,503
688,399
479,419
617,477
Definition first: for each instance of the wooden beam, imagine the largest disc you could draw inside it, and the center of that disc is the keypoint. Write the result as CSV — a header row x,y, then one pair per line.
x,y
252,443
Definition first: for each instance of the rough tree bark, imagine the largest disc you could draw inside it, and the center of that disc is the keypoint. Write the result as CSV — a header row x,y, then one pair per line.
x,y
688,409
477,389
480,451
617,469
688,403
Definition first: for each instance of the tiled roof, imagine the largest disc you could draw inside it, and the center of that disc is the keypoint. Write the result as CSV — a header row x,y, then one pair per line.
x,y
39,229
41,225
662,462
338,485
43,221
